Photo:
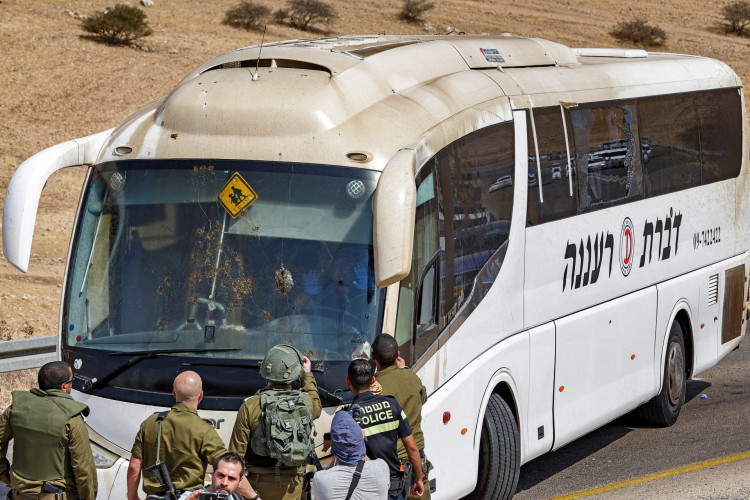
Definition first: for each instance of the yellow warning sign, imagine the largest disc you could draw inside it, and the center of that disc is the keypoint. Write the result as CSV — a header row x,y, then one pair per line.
x,y
236,195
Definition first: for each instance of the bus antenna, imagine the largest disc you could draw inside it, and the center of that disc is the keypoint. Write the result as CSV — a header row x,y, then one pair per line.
x,y
257,63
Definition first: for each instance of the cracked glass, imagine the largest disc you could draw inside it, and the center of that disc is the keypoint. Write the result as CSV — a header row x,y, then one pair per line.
x,y
159,264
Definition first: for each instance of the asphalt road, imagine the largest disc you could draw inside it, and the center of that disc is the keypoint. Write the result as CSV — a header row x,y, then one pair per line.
x,y
623,456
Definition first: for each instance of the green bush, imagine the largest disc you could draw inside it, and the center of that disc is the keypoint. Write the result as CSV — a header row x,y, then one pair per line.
x,y
120,24
302,14
412,10
737,15
247,15
640,32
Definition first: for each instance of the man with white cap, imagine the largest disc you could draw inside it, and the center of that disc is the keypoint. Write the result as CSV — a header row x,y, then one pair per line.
x,y
352,476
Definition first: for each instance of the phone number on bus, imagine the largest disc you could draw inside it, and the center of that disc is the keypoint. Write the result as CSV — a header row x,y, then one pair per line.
x,y
707,237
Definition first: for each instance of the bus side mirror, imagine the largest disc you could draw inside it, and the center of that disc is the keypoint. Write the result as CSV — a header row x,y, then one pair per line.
x,y
25,189
394,207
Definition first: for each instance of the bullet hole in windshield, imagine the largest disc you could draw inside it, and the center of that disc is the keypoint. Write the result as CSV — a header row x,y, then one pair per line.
x,y
284,280
197,170
241,287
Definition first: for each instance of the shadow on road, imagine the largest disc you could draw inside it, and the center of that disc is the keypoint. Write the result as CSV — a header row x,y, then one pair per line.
x,y
694,388
546,466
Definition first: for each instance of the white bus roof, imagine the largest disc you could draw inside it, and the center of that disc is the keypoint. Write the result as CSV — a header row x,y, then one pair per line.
x,y
316,101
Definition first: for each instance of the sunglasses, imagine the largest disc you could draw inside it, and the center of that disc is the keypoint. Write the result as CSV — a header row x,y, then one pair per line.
x,y
68,381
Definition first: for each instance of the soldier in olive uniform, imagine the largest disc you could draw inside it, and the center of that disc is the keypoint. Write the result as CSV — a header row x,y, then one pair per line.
x,y
407,388
188,443
51,442
282,365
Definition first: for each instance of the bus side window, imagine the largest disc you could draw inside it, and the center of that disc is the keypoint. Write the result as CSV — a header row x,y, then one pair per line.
x,y
720,117
553,159
464,207
669,143
477,183
608,154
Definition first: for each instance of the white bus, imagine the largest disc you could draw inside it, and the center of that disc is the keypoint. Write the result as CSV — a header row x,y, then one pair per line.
x,y
320,192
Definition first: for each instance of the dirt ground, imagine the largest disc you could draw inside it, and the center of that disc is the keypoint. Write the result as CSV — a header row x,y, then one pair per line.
x,y
58,84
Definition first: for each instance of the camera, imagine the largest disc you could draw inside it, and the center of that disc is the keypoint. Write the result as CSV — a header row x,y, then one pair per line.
x,y
205,495
356,412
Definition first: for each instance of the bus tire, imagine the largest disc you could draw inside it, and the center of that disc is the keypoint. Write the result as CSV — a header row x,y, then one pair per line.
x,y
664,409
499,453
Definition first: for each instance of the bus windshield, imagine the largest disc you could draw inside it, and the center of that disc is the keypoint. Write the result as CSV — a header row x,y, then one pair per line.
x,y
222,260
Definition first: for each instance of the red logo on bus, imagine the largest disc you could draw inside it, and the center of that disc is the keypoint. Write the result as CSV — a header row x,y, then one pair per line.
x,y
626,246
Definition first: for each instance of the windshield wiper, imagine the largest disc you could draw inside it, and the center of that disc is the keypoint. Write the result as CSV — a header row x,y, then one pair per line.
x,y
333,397
90,385
174,351
138,356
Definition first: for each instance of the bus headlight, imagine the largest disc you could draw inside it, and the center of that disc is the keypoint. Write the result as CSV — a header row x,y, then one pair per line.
x,y
103,459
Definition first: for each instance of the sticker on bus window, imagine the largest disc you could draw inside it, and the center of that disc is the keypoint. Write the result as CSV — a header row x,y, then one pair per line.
x,y
492,55
236,195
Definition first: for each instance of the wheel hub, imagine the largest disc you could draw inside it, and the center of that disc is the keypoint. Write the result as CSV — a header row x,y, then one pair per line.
x,y
675,373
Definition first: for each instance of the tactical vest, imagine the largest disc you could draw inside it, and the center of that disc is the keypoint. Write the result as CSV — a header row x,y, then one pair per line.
x,y
38,418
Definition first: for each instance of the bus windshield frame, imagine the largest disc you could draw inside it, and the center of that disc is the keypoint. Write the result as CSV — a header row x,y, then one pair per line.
x,y
208,264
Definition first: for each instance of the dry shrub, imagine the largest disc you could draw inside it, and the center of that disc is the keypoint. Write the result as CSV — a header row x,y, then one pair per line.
x,y
737,16
21,380
28,331
640,32
413,10
118,25
303,14
247,15
5,331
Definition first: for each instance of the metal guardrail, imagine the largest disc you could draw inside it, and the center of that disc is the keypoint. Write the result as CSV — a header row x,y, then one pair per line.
x,y
27,353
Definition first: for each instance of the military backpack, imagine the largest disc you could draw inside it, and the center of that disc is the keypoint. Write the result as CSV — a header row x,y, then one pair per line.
x,y
285,431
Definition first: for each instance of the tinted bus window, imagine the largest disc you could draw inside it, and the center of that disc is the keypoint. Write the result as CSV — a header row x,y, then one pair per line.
x,y
476,176
608,154
720,118
426,246
553,157
670,143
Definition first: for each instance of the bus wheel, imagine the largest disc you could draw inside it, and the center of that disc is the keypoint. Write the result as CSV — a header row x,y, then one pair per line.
x,y
664,409
499,453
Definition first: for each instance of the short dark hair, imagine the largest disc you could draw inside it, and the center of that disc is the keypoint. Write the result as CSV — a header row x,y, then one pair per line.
x,y
360,374
53,375
385,349
232,458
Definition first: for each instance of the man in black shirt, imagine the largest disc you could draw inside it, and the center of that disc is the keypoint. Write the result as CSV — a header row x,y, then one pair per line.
x,y
384,423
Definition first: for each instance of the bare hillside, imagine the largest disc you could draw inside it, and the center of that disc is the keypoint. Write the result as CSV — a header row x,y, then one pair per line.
x,y
58,84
